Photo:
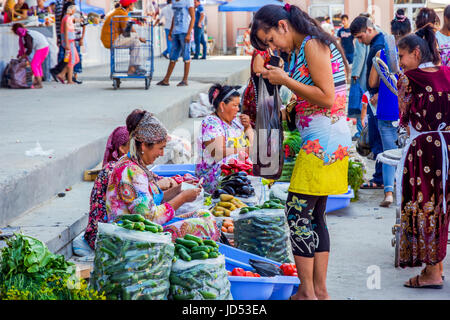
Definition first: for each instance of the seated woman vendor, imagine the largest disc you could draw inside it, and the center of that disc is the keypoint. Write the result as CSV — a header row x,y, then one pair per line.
x,y
224,136
133,189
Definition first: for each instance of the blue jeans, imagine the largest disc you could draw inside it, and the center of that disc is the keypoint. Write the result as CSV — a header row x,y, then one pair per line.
x,y
169,43
180,48
376,145
199,37
388,135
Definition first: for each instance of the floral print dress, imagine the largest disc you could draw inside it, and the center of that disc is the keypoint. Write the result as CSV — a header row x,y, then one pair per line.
x,y
207,167
422,175
321,167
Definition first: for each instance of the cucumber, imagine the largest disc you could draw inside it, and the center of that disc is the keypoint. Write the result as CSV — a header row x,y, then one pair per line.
x,y
133,217
109,252
180,246
211,243
129,226
187,243
184,255
200,255
139,226
189,296
201,248
150,223
194,238
213,255
149,228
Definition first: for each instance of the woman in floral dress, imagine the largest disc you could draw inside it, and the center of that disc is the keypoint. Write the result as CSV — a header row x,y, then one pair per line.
x,y
424,102
223,137
317,78
133,189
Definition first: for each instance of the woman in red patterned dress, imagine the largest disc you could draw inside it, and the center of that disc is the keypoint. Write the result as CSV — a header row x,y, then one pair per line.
x,y
424,101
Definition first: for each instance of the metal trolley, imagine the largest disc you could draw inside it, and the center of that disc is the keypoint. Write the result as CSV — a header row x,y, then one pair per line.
x,y
127,50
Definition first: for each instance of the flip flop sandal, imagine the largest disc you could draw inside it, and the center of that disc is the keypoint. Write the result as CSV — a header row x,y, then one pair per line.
x,y
418,286
162,83
371,185
182,84
60,79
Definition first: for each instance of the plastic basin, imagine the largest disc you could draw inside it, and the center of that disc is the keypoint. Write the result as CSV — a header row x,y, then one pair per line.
x,y
340,201
235,258
249,288
284,287
170,170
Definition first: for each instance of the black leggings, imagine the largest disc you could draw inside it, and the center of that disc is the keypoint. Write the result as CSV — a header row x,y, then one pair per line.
x,y
307,224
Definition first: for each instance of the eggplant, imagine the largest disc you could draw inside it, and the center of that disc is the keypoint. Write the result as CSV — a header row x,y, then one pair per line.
x,y
229,189
246,190
218,192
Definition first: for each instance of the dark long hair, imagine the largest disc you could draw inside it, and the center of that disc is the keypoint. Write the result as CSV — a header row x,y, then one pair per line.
x,y
426,16
425,40
268,17
400,25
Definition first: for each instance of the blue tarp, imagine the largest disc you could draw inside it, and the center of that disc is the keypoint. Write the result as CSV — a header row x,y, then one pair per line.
x,y
86,8
247,5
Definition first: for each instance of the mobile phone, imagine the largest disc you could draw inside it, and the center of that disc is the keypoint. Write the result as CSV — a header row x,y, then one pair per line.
x,y
274,61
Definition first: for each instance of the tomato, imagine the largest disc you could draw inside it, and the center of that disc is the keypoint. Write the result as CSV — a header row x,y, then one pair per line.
x,y
249,274
229,273
257,275
238,272
288,269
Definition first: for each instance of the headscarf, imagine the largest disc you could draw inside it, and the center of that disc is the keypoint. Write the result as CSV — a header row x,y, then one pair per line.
x,y
149,130
21,32
117,138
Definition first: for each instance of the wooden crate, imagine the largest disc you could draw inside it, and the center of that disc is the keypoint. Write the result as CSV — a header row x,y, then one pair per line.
x,y
91,175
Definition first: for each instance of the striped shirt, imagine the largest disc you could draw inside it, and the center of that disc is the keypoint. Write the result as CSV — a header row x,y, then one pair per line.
x,y
58,12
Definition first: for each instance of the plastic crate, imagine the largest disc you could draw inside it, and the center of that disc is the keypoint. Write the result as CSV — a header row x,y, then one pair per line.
x,y
284,286
170,170
249,288
340,201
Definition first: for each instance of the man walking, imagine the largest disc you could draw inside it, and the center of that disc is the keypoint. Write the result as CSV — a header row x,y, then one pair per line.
x,y
199,30
180,35
167,16
363,29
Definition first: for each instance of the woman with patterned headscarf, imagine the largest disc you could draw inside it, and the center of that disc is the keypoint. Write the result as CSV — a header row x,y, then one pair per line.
x,y
133,189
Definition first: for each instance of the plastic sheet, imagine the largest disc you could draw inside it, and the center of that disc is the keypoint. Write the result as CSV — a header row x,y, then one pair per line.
x,y
132,265
200,280
265,233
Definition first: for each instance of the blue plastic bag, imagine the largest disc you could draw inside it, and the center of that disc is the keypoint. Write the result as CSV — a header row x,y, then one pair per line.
x,y
355,98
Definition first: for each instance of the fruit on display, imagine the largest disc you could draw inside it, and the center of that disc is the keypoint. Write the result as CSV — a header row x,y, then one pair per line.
x,y
227,226
226,205
191,248
269,204
235,166
137,222
289,269
239,272
236,184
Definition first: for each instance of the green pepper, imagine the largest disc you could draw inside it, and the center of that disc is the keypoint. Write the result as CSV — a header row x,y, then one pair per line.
x,y
186,243
189,296
208,295
194,238
109,252
201,255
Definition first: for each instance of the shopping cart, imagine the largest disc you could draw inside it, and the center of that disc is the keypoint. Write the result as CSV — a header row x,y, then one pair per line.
x,y
127,49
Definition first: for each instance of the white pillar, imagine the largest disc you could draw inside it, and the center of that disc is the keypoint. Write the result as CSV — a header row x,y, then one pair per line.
x,y
224,32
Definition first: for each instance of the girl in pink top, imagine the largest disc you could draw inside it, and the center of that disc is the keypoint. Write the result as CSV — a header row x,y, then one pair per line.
x,y
68,43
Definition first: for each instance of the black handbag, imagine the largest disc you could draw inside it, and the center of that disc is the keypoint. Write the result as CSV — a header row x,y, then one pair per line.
x,y
290,115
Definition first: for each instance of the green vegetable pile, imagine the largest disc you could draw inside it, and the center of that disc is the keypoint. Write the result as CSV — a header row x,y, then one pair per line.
x,y
29,271
269,204
264,232
194,248
200,280
137,222
355,176
292,145
132,265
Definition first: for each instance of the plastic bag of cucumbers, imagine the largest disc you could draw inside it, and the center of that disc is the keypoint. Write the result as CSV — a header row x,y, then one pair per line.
x,y
199,271
132,264
264,232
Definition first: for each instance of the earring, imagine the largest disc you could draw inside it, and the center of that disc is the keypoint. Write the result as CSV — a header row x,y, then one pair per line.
x,y
142,152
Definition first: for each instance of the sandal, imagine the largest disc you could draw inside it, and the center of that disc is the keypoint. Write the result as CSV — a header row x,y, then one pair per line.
x,y
425,271
182,84
371,185
162,83
418,286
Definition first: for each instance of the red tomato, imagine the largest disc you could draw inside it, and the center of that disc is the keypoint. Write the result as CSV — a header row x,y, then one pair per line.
x,y
257,275
249,274
238,272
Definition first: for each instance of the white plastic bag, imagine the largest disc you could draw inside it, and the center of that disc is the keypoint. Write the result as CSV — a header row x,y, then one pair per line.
x,y
38,151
